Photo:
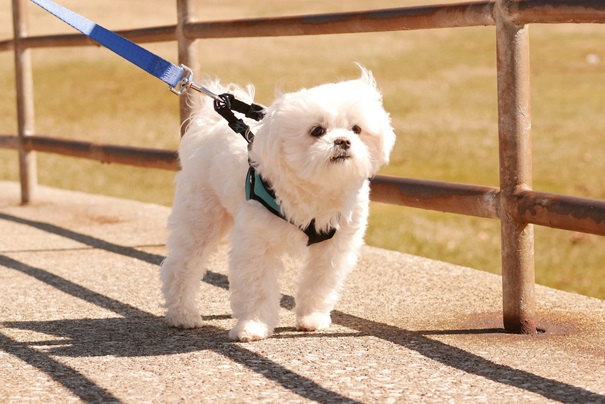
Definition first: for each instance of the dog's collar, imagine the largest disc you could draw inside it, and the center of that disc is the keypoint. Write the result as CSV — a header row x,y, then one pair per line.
x,y
257,189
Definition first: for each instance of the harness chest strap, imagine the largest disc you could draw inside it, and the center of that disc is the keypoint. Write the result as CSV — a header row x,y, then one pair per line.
x,y
257,189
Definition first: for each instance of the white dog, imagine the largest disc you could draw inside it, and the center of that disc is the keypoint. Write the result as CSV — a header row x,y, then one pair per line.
x,y
314,152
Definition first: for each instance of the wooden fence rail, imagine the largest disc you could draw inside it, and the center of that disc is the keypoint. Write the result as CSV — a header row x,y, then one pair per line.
x,y
514,203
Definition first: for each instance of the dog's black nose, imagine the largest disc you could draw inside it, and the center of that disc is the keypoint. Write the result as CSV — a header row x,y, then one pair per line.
x,y
343,143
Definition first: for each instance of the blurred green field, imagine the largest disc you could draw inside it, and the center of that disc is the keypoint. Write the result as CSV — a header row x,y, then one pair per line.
x,y
439,86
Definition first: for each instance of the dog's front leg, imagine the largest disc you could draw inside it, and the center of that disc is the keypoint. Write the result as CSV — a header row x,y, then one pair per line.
x,y
321,283
254,268
254,292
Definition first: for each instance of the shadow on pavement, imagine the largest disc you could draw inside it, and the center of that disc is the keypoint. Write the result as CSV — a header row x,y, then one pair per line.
x,y
131,336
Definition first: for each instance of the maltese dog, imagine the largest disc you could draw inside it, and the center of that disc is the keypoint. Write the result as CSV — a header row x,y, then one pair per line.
x,y
301,187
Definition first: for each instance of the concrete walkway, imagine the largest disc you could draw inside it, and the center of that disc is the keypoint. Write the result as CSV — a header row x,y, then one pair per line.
x,y
81,320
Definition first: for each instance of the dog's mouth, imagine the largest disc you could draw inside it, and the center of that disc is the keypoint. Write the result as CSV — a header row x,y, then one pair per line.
x,y
340,159
340,156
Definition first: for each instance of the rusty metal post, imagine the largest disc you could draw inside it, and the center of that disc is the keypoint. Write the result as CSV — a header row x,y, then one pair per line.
x,y
25,100
514,127
186,12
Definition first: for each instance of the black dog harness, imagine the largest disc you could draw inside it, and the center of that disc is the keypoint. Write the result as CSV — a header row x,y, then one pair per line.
x,y
257,188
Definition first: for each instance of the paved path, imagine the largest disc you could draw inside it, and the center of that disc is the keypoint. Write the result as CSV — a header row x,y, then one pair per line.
x,y
80,320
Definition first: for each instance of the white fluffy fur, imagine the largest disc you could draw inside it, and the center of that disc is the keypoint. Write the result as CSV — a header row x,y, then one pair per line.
x,y
310,182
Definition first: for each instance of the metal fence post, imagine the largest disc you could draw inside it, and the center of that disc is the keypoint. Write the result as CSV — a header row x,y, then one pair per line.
x,y
186,12
514,127
25,100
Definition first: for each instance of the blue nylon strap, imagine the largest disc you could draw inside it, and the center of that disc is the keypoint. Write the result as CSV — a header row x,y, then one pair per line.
x,y
141,57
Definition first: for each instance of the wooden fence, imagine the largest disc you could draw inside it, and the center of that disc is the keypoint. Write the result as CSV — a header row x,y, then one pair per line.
x,y
514,203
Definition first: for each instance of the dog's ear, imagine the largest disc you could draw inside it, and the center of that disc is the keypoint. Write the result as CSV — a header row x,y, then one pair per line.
x,y
388,141
385,130
367,77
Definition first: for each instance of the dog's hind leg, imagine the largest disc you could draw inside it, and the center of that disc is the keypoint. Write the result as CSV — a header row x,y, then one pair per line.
x,y
196,229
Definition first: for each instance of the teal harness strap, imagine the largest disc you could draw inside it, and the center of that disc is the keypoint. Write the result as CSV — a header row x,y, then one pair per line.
x,y
258,190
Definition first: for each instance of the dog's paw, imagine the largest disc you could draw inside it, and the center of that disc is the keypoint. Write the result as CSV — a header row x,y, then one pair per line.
x,y
313,322
184,320
249,330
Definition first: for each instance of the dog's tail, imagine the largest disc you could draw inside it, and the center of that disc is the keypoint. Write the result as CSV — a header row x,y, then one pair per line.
x,y
203,105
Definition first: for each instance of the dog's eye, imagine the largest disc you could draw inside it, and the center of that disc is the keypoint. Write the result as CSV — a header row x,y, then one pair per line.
x,y
356,129
318,131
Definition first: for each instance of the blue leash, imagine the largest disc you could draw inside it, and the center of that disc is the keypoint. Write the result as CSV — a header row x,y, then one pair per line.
x,y
178,78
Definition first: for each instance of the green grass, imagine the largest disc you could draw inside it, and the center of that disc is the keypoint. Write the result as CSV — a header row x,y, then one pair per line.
x,y
439,86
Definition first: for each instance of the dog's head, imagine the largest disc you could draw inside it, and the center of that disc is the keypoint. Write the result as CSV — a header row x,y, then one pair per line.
x,y
327,134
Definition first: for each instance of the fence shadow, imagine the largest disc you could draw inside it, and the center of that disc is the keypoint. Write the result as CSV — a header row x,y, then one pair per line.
x,y
138,333
449,355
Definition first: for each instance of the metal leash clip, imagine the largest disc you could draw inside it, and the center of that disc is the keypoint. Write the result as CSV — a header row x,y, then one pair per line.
x,y
224,104
186,82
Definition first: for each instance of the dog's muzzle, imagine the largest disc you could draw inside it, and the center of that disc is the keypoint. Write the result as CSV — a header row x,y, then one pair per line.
x,y
341,150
